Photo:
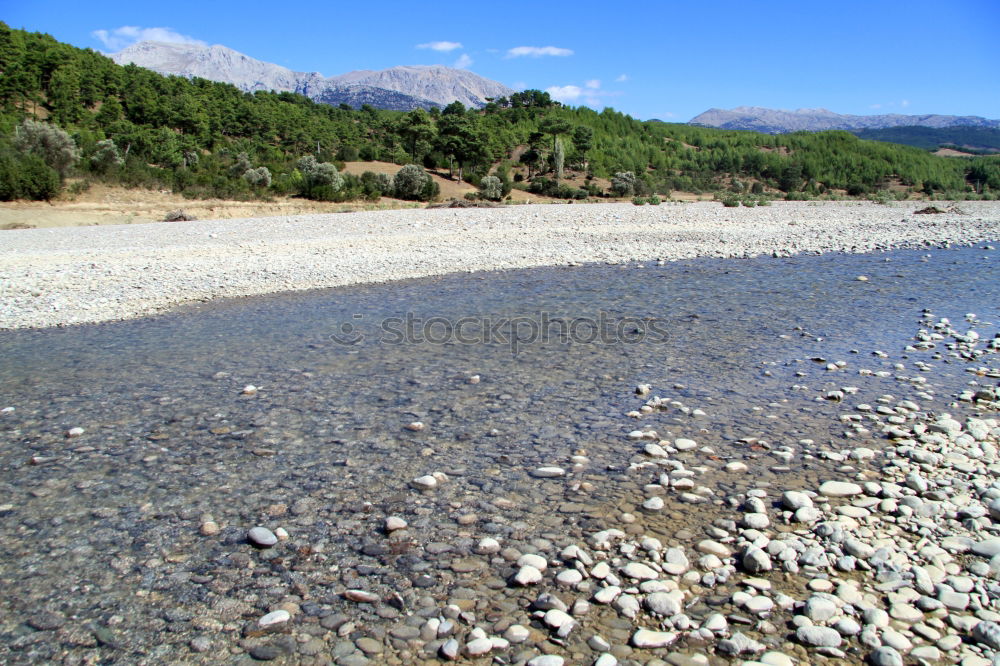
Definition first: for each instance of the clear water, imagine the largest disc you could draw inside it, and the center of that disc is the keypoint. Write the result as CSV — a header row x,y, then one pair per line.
x,y
170,436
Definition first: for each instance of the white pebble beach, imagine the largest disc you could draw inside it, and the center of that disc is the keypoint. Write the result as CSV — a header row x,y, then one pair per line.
x,y
76,275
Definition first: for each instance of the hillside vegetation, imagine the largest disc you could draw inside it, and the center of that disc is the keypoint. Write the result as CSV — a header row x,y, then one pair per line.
x,y
70,115
984,140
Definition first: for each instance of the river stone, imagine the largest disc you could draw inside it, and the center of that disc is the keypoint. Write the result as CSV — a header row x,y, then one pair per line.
x,y
426,482
739,643
532,560
683,444
393,523
639,571
987,547
793,500
449,649
517,633
776,659
759,604
665,603
273,618
808,514
527,575
654,503
886,656
569,577
819,609
839,489
987,633
713,548
818,636
546,660
261,537
646,638
548,472
756,521
756,560
994,508
478,647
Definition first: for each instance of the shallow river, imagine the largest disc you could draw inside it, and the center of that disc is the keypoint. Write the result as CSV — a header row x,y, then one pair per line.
x,y
105,530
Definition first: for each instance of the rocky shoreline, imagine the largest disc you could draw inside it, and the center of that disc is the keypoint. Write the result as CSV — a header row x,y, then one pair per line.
x,y
74,275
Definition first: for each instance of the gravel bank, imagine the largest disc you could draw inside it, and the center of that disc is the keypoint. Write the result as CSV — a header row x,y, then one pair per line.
x,y
91,274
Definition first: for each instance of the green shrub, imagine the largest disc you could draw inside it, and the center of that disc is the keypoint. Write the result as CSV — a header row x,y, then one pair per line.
x,y
414,184
731,202
54,146
623,183
639,201
654,200
26,176
491,188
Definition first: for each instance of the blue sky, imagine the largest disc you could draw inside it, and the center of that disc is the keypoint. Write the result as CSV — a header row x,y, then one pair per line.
x,y
667,60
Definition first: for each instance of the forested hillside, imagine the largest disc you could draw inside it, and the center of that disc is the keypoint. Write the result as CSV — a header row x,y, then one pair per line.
x,y
970,139
70,114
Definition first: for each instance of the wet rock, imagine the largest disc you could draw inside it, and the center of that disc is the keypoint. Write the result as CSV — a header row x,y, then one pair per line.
x,y
274,618
261,537
527,575
394,523
739,643
548,472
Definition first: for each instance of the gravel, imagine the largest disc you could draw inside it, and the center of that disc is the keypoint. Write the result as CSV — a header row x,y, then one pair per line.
x,y
75,275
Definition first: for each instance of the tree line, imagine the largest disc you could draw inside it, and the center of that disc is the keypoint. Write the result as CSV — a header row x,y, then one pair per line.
x,y
66,111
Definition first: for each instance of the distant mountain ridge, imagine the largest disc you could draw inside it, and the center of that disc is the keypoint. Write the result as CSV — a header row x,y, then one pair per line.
x,y
398,88
780,121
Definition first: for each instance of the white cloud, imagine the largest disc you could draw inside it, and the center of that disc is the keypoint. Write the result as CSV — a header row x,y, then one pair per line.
x,y
875,106
537,51
622,78
565,93
905,103
463,62
119,38
590,94
440,46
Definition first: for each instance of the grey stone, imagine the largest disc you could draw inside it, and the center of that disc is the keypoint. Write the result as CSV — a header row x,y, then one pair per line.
x,y
987,633
738,644
815,636
886,656
261,537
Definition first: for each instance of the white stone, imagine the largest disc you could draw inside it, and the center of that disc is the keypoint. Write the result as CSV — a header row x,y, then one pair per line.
x,y
426,482
527,575
273,618
548,472
639,571
839,489
645,638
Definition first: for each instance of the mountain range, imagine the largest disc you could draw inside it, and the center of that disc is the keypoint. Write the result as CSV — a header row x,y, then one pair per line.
x,y
780,121
398,88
